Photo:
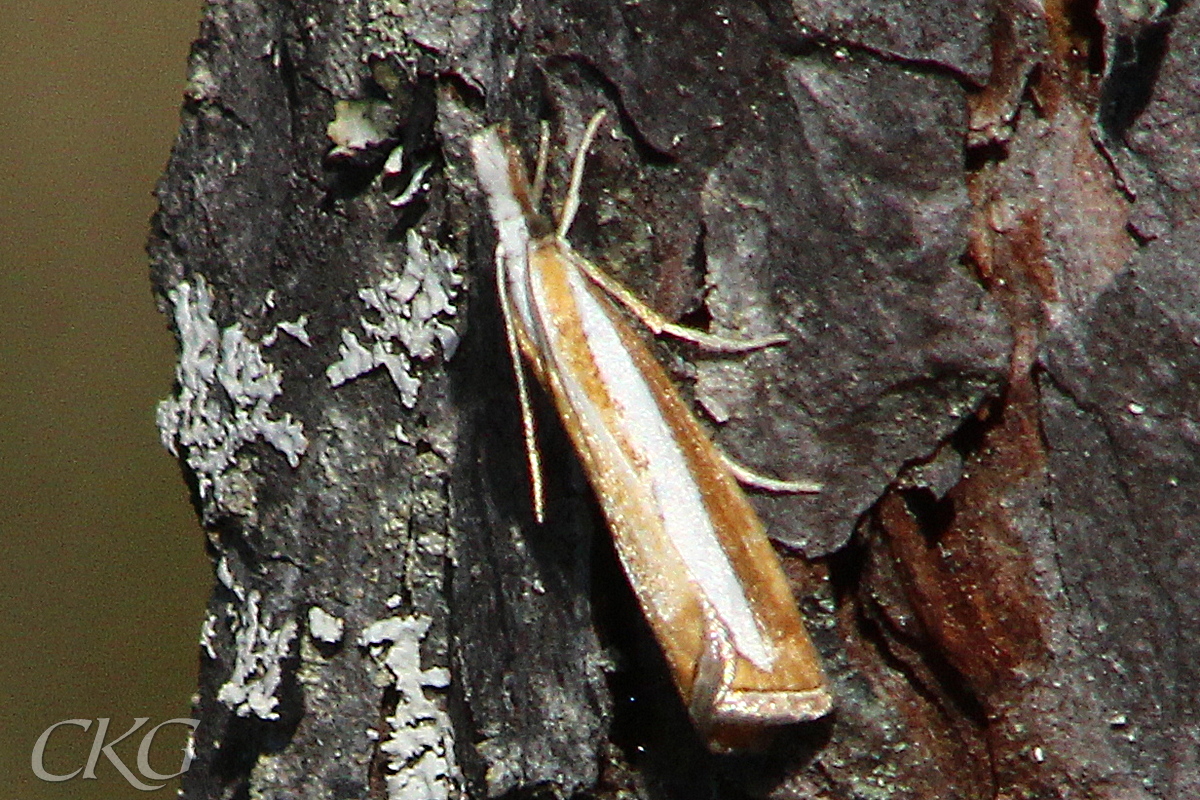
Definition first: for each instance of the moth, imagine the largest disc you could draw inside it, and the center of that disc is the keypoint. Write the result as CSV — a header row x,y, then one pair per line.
x,y
696,554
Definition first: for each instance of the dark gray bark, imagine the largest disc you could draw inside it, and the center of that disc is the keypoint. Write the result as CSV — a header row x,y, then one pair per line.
x,y
974,221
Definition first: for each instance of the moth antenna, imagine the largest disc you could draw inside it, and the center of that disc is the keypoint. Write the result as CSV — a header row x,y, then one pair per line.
x,y
571,203
539,172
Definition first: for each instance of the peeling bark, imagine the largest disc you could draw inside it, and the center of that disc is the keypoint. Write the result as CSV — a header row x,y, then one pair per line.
x,y
977,226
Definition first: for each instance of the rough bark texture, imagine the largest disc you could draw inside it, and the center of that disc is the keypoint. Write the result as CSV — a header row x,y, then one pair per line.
x,y
975,221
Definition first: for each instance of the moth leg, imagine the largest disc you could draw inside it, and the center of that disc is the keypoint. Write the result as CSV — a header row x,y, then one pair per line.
x,y
532,455
658,324
748,477
650,318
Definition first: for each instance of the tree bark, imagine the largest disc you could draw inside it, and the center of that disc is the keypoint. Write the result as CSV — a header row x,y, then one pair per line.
x,y
976,224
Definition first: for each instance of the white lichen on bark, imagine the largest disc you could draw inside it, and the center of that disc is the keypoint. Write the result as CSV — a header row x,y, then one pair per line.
x,y
222,402
260,648
420,745
411,308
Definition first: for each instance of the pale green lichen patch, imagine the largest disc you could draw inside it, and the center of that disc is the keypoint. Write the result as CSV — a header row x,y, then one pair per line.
x,y
358,125
420,743
409,309
325,627
223,401
456,29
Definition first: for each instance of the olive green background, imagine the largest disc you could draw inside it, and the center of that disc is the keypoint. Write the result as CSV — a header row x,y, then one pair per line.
x,y
103,574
